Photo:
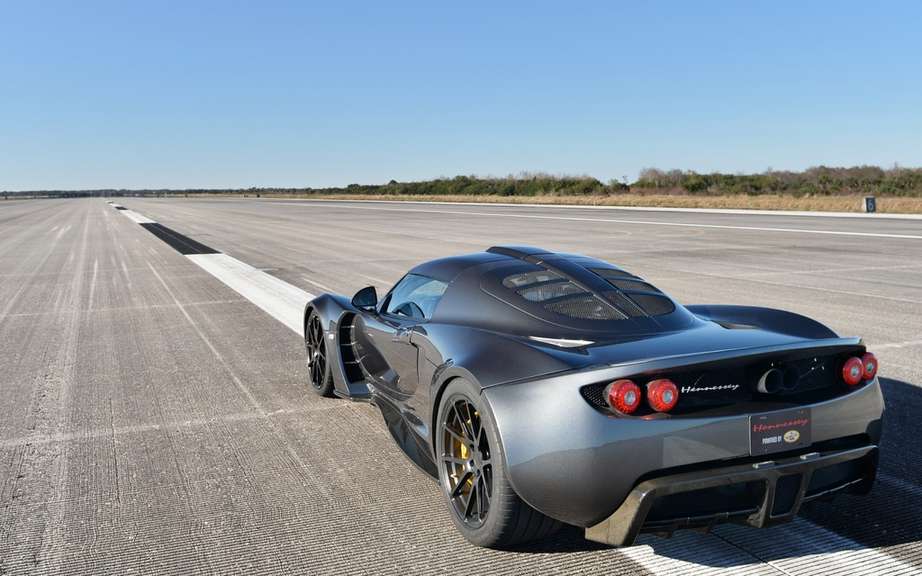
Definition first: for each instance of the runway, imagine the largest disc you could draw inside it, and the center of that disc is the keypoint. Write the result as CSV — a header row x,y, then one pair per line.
x,y
156,416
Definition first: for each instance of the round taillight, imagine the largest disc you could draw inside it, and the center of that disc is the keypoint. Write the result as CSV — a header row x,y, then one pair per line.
x,y
623,396
853,371
869,365
662,395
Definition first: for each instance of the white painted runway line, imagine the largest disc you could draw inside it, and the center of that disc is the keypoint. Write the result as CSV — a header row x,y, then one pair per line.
x,y
278,298
140,219
641,222
800,548
736,211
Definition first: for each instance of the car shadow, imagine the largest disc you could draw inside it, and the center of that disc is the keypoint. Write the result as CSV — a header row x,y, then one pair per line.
x,y
889,517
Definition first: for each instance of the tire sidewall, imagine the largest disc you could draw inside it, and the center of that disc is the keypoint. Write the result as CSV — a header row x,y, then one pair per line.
x,y
325,388
487,533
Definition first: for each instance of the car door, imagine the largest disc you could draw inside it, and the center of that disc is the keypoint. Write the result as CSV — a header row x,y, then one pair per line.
x,y
390,357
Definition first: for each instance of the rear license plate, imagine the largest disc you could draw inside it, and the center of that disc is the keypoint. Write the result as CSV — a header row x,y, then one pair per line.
x,y
779,431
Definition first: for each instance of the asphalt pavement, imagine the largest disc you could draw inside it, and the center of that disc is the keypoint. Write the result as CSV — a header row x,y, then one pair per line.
x,y
155,417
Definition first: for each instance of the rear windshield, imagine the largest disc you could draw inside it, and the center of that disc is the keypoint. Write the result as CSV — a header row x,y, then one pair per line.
x,y
559,295
629,297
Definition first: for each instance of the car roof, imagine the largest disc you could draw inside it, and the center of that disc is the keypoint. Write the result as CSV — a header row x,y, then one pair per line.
x,y
447,269
479,293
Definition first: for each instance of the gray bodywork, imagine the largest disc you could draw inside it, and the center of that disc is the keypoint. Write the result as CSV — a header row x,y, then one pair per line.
x,y
566,457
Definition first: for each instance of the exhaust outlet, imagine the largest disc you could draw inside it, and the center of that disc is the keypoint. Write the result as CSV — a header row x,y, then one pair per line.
x,y
771,382
791,380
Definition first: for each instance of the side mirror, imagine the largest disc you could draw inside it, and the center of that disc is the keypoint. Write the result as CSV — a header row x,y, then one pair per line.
x,y
366,299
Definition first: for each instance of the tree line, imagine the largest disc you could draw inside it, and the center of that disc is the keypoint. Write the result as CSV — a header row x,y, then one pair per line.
x,y
816,181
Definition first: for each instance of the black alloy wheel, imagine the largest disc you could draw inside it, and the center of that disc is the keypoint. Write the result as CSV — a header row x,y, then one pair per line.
x,y
467,461
472,473
317,358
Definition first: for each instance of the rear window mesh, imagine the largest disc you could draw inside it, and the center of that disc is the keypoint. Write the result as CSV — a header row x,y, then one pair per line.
x,y
624,303
608,273
586,307
630,296
645,297
549,291
628,285
529,278
653,304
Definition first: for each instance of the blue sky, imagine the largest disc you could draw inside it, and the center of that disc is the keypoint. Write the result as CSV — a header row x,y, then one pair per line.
x,y
238,94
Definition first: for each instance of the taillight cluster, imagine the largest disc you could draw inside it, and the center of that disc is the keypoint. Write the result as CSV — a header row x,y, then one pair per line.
x,y
624,396
857,370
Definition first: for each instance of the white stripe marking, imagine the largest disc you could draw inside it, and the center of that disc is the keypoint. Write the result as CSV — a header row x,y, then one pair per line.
x,y
278,298
798,548
646,222
140,219
805,548
737,211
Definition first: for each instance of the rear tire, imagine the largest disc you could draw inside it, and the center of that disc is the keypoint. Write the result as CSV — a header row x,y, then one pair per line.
x,y
318,357
472,474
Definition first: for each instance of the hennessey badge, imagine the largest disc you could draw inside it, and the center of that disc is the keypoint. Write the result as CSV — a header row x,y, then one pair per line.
x,y
689,389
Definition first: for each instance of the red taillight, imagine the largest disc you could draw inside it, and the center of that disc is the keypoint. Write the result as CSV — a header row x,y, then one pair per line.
x,y
869,365
853,371
662,395
623,396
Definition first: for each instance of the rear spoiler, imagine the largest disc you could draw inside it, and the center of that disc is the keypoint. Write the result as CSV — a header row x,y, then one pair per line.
x,y
779,321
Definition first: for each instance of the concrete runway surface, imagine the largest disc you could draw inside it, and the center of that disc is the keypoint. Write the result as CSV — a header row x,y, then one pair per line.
x,y
155,420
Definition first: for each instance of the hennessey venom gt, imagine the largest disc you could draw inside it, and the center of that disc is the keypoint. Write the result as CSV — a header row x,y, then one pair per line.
x,y
543,389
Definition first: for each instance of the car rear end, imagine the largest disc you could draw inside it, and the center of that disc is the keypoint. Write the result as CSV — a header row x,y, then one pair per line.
x,y
690,440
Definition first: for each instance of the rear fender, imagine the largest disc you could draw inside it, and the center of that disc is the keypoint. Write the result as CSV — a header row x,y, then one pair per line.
x,y
485,359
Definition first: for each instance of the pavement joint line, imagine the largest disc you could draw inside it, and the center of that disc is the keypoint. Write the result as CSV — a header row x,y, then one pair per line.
x,y
831,270
270,294
239,383
653,223
904,344
126,308
105,432
730,211
798,286
317,284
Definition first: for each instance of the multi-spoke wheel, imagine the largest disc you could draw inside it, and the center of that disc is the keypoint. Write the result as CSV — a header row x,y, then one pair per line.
x,y
483,505
466,457
317,357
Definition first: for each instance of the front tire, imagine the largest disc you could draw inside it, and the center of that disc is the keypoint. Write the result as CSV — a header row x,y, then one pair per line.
x,y
472,475
318,357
